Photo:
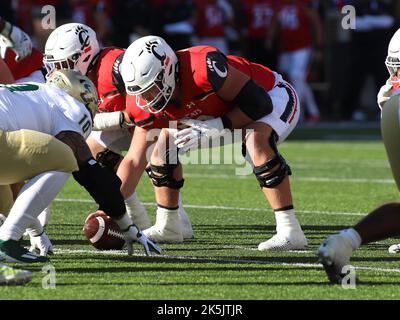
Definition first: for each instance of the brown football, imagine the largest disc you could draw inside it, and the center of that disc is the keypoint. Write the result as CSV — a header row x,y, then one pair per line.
x,y
102,232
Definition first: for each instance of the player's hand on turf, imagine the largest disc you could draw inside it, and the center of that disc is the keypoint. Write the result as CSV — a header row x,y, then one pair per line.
x,y
133,234
198,131
41,244
17,40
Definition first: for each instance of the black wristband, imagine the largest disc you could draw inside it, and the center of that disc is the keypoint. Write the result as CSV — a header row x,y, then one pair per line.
x,y
227,122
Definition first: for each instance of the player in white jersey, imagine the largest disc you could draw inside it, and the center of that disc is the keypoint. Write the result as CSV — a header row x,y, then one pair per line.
x,y
34,118
22,107
384,221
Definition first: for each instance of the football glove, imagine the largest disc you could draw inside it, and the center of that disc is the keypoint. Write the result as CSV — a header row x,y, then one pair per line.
x,y
41,244
134,234
14,38
198,132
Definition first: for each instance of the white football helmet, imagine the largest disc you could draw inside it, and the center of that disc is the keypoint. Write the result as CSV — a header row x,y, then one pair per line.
x,y
76,85
149,69
71,46
393,58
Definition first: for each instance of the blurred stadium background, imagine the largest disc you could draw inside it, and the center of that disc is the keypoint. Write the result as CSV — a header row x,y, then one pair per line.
x,y
346,70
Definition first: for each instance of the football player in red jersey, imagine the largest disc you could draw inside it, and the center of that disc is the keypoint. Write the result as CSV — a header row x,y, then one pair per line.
x,y
233,93
75,46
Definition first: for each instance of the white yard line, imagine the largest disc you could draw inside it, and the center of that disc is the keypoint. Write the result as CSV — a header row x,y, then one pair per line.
x,y
311,179
216,259
214,207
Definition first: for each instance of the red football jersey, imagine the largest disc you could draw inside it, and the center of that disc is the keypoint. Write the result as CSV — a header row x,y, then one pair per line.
x,y
210,19
26,66
111,97
259,15
295,26
198,99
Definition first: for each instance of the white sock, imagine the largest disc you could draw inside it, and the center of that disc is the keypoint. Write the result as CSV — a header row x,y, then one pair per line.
x,y
44,216
124,222
353,236
34,197
164,213
35,229
286,222
131,203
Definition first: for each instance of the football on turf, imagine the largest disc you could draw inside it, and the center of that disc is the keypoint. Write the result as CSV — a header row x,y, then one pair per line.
x,y
102,232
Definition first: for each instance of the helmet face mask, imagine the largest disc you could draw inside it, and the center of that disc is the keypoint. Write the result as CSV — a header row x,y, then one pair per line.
x,y
149,70
392,64
71,46
62,64
153,98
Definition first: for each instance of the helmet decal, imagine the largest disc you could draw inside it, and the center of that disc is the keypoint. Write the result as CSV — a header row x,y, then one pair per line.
x,y
151,46
83,35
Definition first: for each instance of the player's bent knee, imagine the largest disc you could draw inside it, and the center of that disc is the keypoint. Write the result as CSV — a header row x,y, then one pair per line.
x,y
271,173
163,176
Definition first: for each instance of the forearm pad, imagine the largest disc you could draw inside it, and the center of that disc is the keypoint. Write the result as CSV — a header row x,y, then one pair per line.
x,y
253,101
103,186
108,121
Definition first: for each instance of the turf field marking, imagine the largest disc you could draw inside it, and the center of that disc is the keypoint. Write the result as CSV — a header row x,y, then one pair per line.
x,y
309,179
216,260
213,207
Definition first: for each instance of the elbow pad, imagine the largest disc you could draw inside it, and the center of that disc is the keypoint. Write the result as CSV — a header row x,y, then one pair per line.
x,y
253,101
103,186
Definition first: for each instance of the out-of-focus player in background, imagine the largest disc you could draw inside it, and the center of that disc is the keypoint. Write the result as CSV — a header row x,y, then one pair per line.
x,y
75,46
294,22
233,93
384,221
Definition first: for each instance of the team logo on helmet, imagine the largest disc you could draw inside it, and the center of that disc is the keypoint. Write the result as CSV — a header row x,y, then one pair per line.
x,y
151,46
83,35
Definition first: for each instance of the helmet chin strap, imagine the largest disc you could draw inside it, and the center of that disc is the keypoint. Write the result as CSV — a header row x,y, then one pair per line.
x,y
93,62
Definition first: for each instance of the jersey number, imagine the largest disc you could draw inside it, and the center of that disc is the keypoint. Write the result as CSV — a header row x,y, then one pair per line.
x,y
20,87
85,123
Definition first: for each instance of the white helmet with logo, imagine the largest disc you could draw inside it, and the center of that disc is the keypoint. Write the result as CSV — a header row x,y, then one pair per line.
x,y
149,70
393,58
76,85
71,46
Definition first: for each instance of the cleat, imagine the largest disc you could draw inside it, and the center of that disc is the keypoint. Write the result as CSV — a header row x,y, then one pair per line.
x,y
187,230
281,243
11,251
168,229
11,276
395,248
139,215
334,254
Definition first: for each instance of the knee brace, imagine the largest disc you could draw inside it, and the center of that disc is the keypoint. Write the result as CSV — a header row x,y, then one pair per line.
x,y
163,176
271,173
108,159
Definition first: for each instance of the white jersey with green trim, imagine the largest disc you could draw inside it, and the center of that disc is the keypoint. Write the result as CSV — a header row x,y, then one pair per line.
x,y
42,108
